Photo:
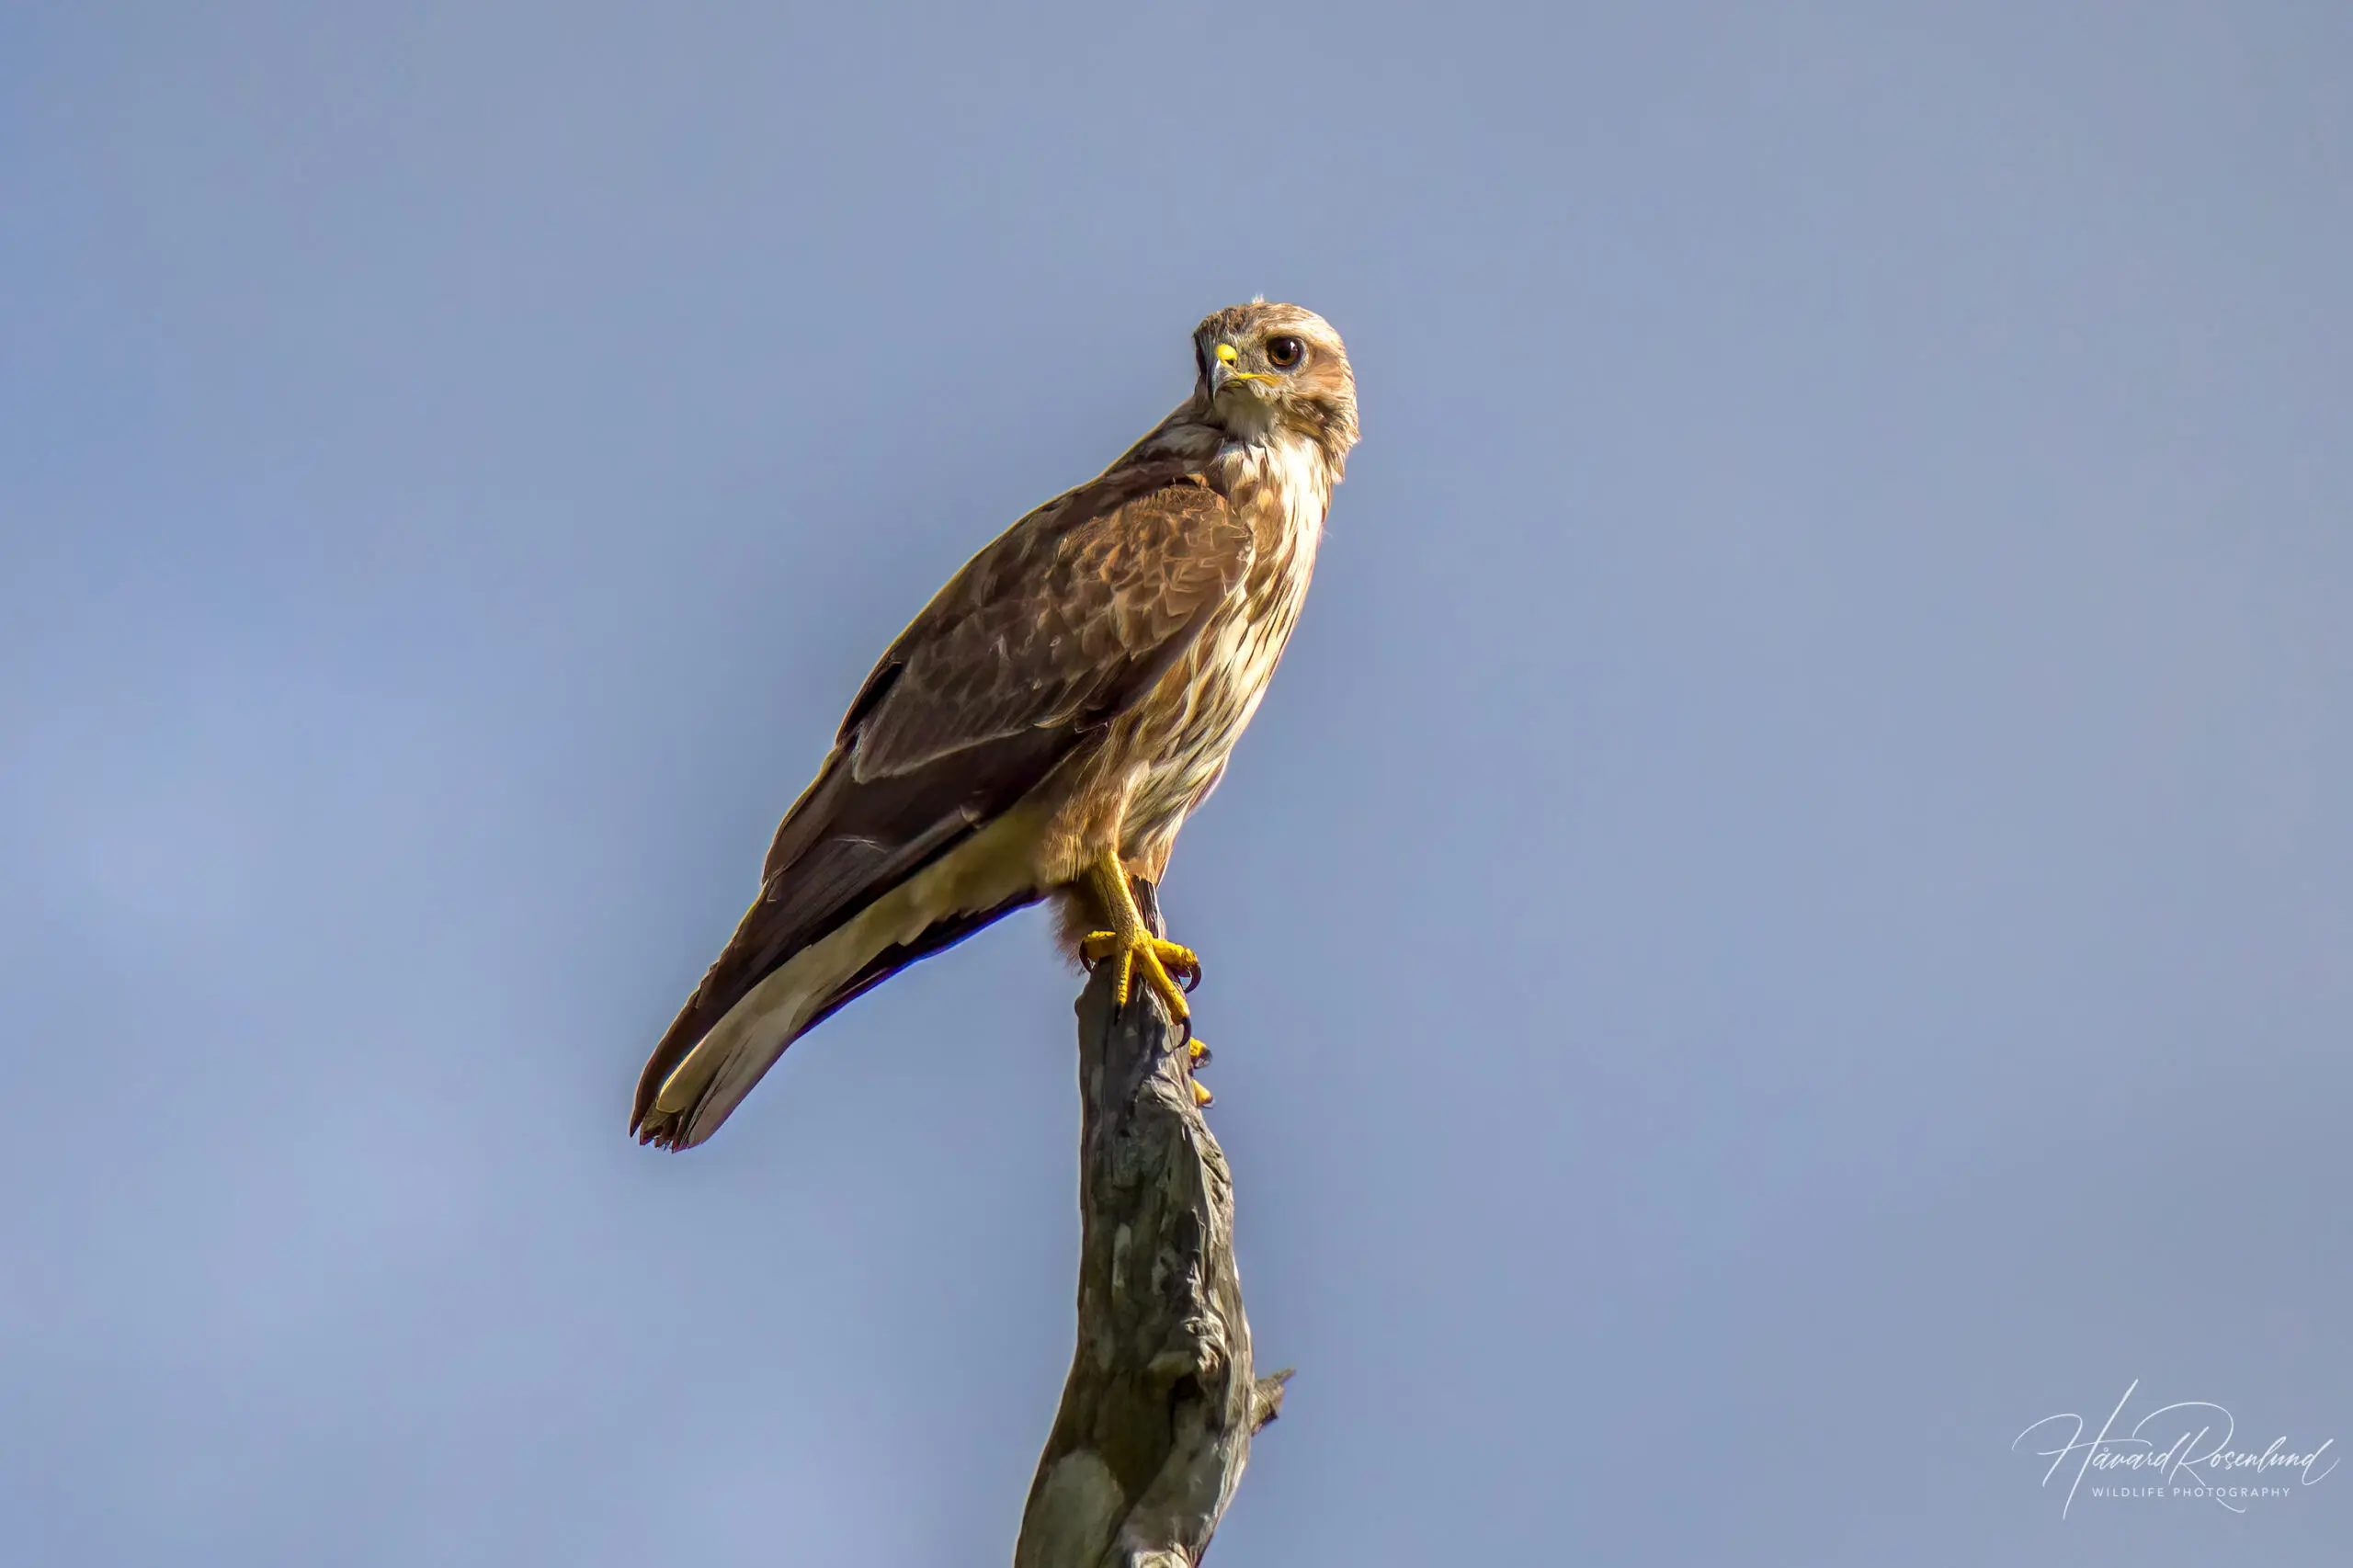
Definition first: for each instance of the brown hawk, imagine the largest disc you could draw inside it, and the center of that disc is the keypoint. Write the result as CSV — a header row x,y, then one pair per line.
x,y
1046,723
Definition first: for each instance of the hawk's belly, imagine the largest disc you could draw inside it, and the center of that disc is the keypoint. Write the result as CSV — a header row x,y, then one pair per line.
x,y
1176,740
1187,729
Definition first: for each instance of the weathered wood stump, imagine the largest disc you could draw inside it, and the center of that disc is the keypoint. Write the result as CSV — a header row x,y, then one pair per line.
x,y
1156,1418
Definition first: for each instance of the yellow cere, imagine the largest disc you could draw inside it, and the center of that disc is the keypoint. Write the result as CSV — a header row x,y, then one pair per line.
x,y
1226,354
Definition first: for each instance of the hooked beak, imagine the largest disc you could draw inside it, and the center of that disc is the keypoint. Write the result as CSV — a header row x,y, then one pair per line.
x,y
1221,370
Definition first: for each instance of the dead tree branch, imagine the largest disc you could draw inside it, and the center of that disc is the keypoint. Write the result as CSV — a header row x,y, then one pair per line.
x,y
1155,1420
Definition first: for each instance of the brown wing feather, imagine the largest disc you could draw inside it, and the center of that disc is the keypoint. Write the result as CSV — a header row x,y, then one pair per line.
x,y
1063,618
1046,634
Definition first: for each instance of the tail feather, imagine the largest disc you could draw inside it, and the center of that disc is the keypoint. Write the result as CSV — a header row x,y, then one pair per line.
x,y
702,1072
703,1090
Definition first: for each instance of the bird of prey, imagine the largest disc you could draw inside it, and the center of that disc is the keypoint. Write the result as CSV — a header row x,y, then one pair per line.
x,y
1044,726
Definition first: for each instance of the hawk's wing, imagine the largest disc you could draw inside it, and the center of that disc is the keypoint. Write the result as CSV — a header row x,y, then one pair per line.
x,y
1048,634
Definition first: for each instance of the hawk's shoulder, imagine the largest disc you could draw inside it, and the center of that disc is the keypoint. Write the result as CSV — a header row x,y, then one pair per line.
x,y
1062,620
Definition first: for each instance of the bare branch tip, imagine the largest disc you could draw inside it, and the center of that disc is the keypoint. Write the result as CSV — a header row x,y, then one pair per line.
x,y
1266,1397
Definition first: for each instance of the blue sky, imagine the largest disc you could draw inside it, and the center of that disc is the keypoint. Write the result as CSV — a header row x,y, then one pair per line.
x,y
1787,916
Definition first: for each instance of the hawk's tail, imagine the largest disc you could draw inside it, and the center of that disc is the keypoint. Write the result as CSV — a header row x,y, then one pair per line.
x,y
679,1106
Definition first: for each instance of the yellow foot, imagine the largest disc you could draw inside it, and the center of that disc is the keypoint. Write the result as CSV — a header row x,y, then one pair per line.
x,y
1131,943
1197,1056
1155,960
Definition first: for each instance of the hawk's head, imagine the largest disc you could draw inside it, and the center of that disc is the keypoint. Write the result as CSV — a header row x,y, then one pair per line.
x,y
1275,368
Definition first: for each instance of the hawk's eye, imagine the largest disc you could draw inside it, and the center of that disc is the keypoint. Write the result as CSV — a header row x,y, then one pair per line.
x,y
1285,352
